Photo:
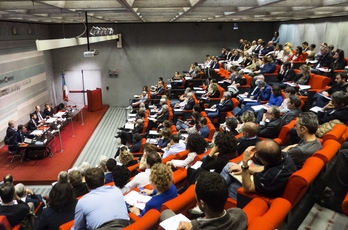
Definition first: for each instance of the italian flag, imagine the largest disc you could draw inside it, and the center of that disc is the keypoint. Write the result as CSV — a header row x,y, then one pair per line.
x,y
64,88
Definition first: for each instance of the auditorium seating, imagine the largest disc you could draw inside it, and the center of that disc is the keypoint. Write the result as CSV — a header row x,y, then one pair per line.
x,y
211,132
182,203
246,87
149,221
345,205
328,151
272,218
337,134
284,136
4,224
272,77
67,225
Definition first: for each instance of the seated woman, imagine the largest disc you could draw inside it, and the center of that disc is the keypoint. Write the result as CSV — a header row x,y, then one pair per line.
x,y
176,80
212,92
136,143
185,125
164,115
247,116
148,147
297,56
224,150
196,145
161,179
48,111
126,158
60,207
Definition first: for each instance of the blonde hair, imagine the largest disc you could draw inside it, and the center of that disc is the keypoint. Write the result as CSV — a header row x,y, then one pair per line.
x,y
306,70
161,176
125,157
248,116
287,50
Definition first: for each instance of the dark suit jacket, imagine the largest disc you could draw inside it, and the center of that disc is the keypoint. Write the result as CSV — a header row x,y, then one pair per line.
x,y
215,65
290,115
288,76
244,143
225,106
35,199
270,129
325,61
340,114
9,134
162,117
31,125
47,113
135,147
266,50
18,137
189,105
37,116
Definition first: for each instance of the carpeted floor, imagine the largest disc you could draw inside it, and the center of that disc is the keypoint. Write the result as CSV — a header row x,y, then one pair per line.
x,y
45,171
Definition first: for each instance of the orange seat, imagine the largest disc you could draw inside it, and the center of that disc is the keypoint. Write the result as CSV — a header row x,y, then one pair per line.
x,y
284,136
67,225
149,221
328,151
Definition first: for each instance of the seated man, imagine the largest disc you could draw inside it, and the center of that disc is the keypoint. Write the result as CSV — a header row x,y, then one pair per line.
x,y
293,109
271,123
268,66
137,101
335,109
164,115
102,204
225,105
324,60
40,117
174,146
143,178
18,139
230,125
342,85
204,130
28,196
211,195
109,166
306,126
268,180
187,104
249,138
32,124
11,205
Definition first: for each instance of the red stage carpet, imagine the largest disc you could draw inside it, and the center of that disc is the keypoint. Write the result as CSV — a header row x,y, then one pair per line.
x,y
45,171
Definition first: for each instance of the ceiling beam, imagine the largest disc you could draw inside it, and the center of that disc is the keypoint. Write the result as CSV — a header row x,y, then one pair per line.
x,y
196,4
128,6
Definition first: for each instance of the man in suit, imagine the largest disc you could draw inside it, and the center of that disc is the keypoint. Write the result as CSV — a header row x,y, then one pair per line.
x,y
249,138
335,109
40,117
325,60
18,138
10,131
215,64
225,105
286,73
268,48
187,104
33,124
271,123
293,109
258,46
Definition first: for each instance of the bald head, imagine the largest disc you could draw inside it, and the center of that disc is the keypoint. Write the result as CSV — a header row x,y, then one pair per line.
x,y
249,129
269,152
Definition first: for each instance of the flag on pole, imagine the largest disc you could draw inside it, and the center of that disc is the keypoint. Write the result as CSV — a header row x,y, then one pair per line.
x,y
64,88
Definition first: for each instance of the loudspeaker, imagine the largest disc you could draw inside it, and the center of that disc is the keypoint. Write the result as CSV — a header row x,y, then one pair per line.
x,y
119,41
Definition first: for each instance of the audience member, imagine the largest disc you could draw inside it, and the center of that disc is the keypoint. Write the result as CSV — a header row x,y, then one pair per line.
x,y
211,194
196,145
60,207
10,131
93,209
148,147
293,110
225,105
121,176
341,85
231,124
12,206
79,186
270,124
335,109
28,196
249,138
306,126
109,166
125,158
164,190
143,178
40,117
203,128
224,150
247,116
268,180
174,146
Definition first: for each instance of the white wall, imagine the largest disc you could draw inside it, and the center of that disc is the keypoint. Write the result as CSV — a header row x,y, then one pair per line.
x,y
332,31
